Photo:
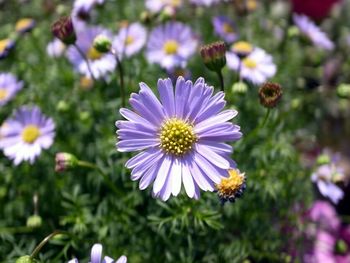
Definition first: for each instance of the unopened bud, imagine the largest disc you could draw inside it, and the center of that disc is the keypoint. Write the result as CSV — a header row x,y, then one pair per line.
x,y
65,161
323,159
343,90
63,29
102,44
34,221
270,94
239,87
214,55
26,259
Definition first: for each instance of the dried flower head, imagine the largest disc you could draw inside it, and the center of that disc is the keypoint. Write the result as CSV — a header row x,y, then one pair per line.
x,y
231,188
270,94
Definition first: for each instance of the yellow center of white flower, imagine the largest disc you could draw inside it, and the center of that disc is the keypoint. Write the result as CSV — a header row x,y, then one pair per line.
x,y
3,44
177,136
23,24
93,54
170,47
129,40
230,185
86,82
3,94
227,28
175,3
249,63
242,47
30,133
252,5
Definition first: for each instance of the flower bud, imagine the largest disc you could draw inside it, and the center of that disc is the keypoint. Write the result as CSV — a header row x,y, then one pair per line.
x,y
214,55
239,87
63,29
323,159
102,44
270,94
26,259
65,161
343,90
34,221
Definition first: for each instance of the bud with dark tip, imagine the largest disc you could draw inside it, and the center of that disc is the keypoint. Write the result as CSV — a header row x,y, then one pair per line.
x,y
63,29
102,44
214,55
65,161
270,94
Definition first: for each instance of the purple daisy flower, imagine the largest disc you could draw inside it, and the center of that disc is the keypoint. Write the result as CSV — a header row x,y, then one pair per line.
x,y
204,2
23,136
181,137
100,63
313,32
130,40
96,256
325,177
9,86
225,28
82,8
171,45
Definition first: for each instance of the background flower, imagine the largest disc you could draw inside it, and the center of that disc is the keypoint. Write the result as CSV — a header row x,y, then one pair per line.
x,y
23,136
9,86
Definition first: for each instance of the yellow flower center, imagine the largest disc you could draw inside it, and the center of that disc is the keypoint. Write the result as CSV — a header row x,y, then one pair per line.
x,y
252,5
249,63
175,3
86,82
4,44
227,28
129,40
230,186
177,136
24,24
242,47
30,133
3,94
93,54
170,47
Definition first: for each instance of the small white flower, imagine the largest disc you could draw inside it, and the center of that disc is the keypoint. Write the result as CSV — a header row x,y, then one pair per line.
x,y
55,48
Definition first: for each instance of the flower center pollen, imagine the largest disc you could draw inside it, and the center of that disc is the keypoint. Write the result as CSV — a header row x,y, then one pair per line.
x,y
4,44
170,47
129,40
24,24
93,54
3,94
227,28
30,133
177,136
242,47
250,63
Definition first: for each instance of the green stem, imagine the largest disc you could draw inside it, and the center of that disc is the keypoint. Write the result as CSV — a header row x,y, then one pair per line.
x,y
121,75
259,126
43,243
221,79
108,181
85,59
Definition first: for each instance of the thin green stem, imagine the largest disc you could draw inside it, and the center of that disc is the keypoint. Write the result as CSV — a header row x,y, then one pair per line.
x,y
221,79
107,180
43,243
121,76
85,59
258,127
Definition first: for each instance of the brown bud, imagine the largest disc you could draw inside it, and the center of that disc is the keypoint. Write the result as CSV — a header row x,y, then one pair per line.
x,y
270,94
63,29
